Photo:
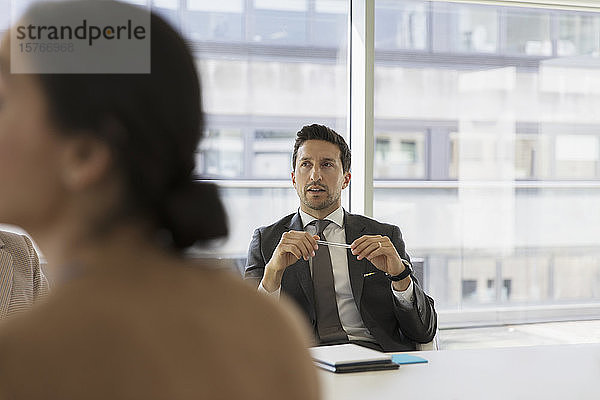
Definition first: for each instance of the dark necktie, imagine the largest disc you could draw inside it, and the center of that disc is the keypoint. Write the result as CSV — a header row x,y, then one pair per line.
x,y
329,326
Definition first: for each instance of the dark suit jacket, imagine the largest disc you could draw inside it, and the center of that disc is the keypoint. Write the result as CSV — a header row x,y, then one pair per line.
x,y
394,327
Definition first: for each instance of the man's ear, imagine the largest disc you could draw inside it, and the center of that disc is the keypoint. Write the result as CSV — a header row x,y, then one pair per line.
x,y
86,161
293,179
346,180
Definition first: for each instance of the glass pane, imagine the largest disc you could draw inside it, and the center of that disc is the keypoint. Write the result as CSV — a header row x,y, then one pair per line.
x,y
332,7
258,91
328,28
478,29
578,34
272,158
577,156
221,154
528,33
490,165
282,5
166,4
526,150
17,8
279,26
465,28
137,2
5,16
399,155
226,6
218,21
266,205
401,24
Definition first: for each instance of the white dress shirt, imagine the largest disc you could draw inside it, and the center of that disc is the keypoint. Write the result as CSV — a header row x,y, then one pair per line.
x,y
347,308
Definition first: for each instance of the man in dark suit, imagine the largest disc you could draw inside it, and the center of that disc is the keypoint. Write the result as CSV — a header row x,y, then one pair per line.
x,y
365,294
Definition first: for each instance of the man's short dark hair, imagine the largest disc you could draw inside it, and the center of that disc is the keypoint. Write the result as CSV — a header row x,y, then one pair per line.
x,y
321,132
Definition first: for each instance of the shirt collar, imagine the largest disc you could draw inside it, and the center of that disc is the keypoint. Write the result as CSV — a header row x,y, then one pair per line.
x,y
337,217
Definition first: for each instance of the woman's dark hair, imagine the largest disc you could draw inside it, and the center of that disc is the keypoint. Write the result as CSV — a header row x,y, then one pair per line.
x,y
152,122
321,132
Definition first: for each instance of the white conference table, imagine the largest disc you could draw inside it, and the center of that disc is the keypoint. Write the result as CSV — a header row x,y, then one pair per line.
x,y
565,372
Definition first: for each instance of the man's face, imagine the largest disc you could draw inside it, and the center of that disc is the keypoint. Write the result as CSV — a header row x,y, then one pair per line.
x,y
319,177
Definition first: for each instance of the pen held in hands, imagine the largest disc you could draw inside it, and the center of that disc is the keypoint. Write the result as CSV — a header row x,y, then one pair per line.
x,y
325,243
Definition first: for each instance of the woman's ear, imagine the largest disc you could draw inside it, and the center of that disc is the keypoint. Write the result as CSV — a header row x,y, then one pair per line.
x,y
86,161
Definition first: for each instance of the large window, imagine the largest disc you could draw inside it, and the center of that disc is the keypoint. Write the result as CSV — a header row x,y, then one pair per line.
x,y
578,34
528,32
268,68
403,24
499,191
486,135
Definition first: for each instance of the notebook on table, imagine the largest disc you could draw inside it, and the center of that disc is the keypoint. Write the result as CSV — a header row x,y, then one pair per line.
x,y
342,358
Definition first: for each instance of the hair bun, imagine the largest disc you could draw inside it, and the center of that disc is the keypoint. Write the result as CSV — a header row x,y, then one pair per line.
x,y
194,213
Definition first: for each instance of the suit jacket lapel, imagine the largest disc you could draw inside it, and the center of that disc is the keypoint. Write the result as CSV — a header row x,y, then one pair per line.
x,y
6,279
354,227
301,267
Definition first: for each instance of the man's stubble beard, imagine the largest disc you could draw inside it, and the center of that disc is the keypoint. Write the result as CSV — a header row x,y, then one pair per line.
x,y
327,202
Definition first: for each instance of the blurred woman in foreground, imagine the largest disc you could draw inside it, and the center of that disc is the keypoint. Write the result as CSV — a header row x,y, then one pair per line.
x,y
98,169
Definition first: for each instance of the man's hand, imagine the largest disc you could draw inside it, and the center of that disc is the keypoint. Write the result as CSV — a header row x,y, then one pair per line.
x,y
380,251
293,246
